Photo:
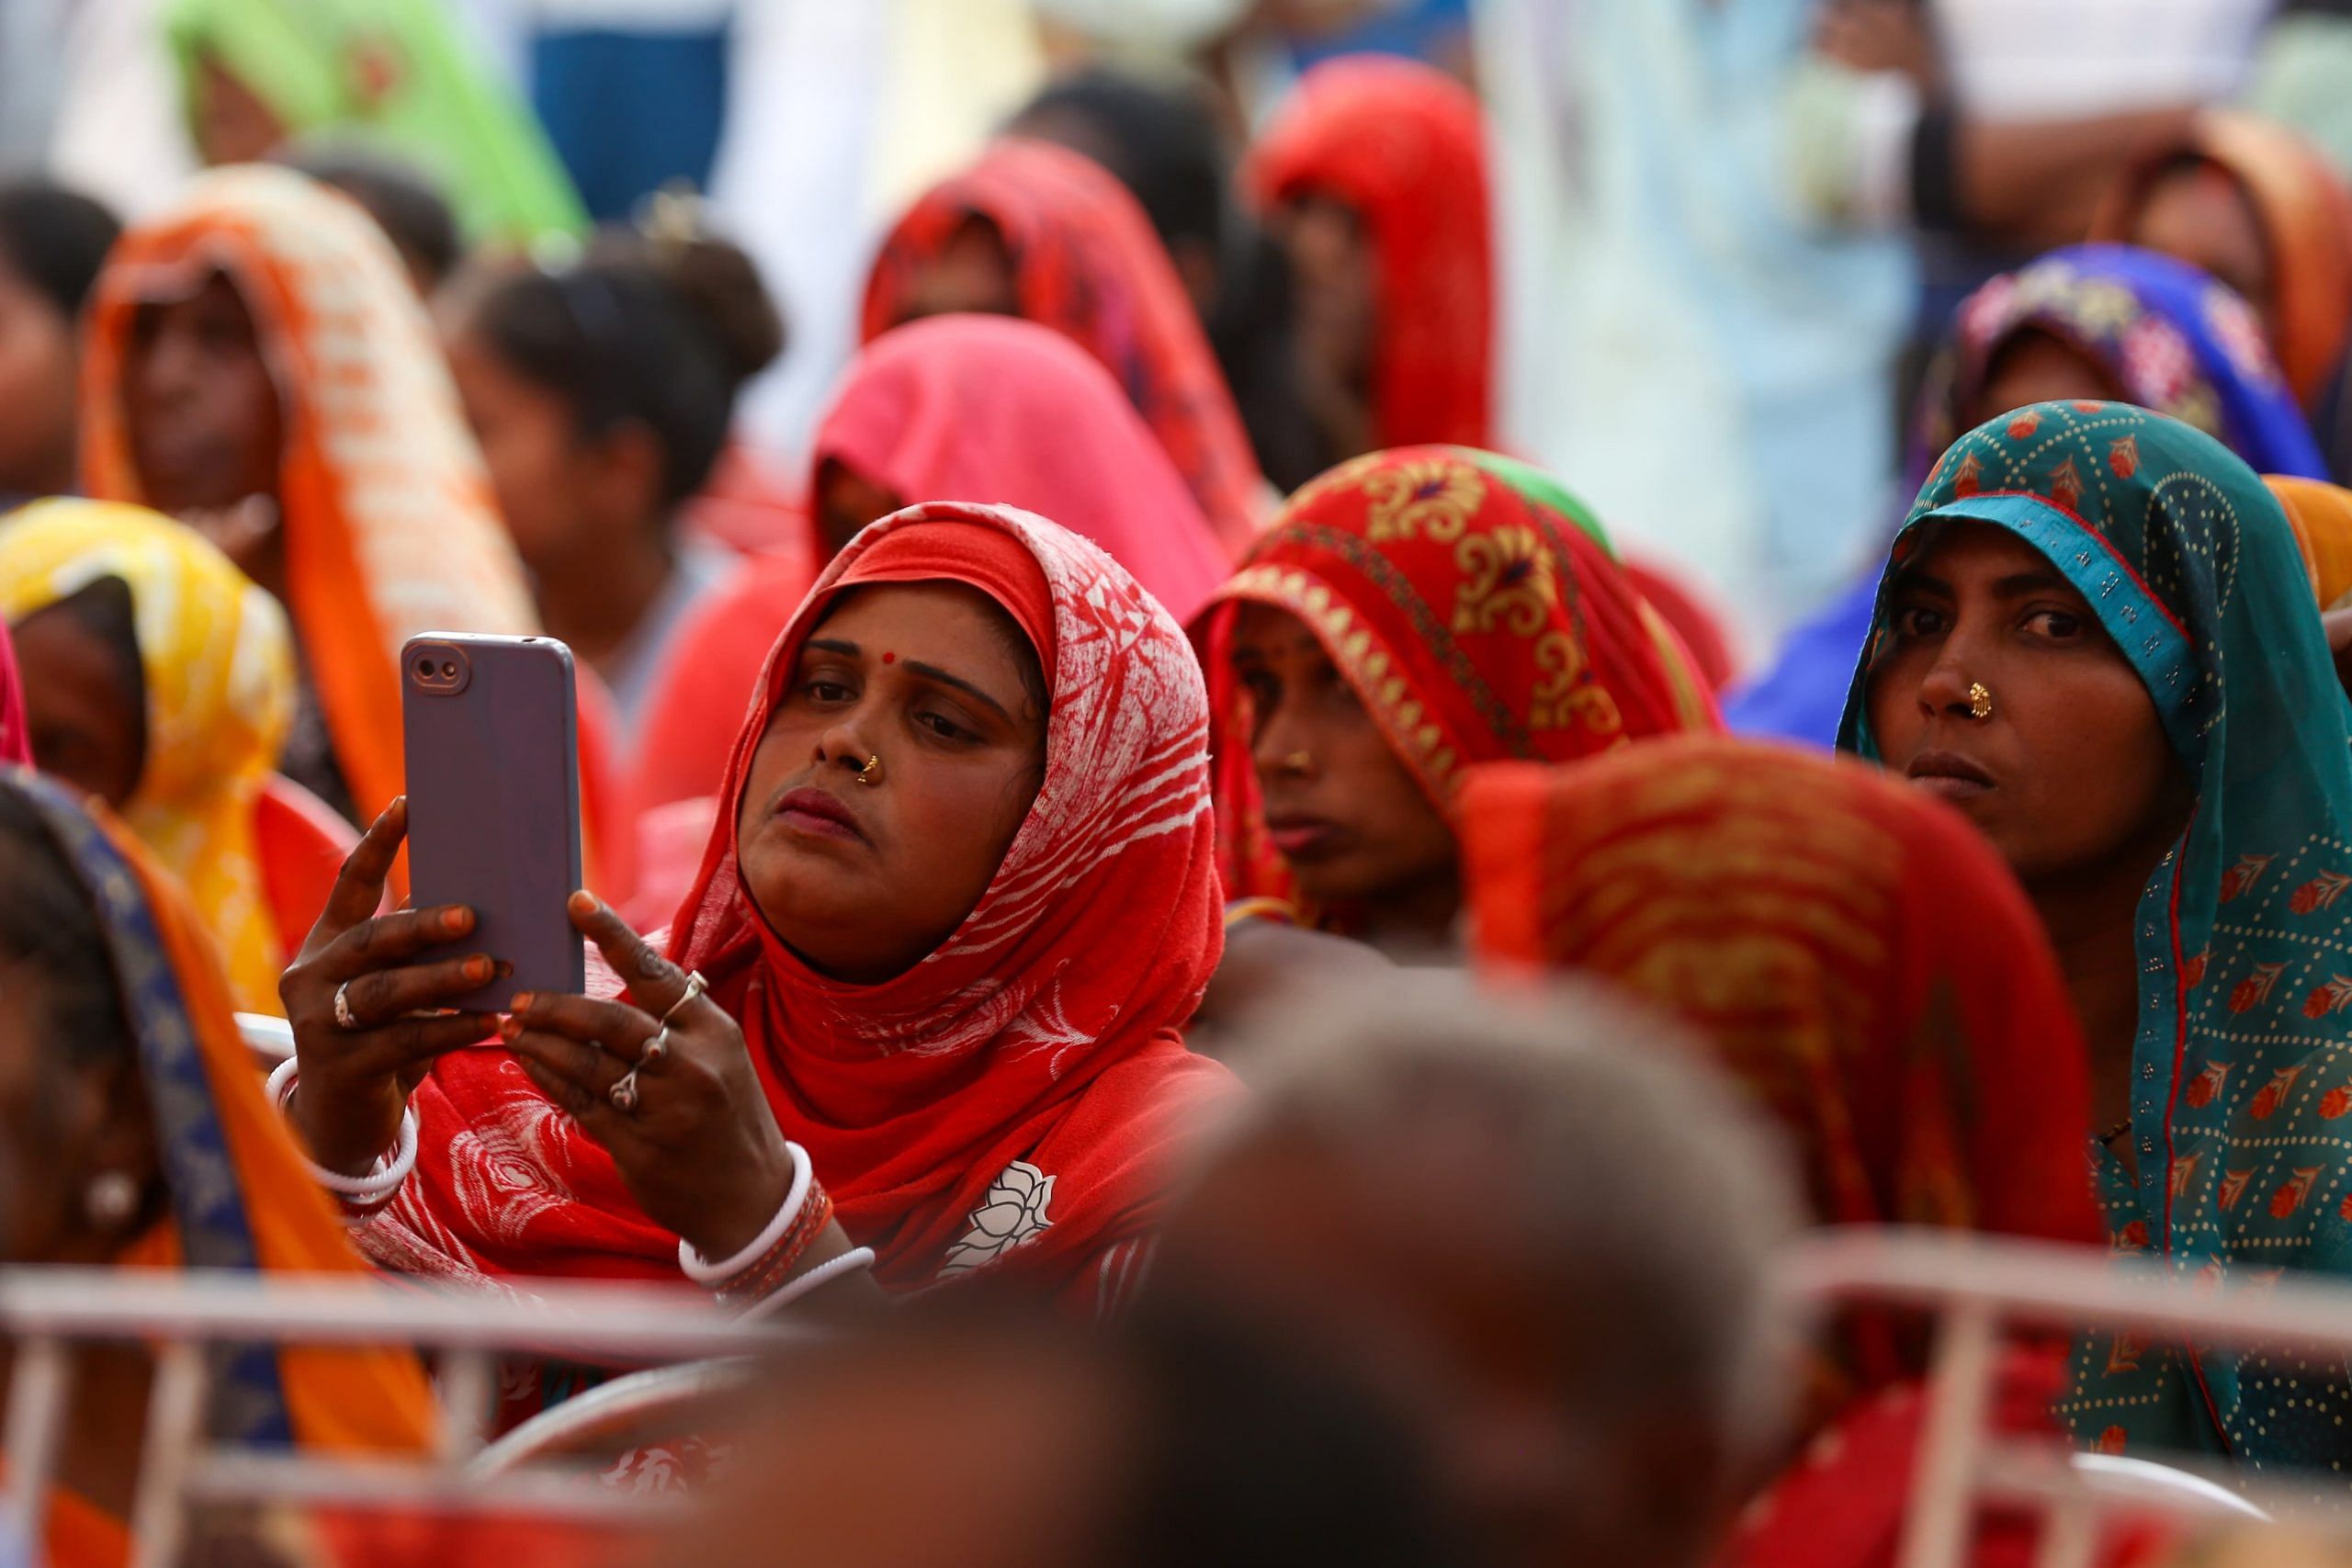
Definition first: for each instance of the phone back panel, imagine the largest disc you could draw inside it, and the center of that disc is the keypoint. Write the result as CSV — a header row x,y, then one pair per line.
x,y
490,726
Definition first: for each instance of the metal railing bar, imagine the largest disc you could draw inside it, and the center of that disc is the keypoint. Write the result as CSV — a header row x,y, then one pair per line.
x,y
1936,1525
39,1380
244,1476
175,1431
630,1323
2038,1282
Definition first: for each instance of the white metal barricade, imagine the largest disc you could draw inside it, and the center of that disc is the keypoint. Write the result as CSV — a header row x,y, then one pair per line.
x,y
44,1311
1976,1288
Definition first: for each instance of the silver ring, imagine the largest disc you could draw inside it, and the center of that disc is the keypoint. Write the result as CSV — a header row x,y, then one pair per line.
x,y
655,1048
343,1017
623,1094
696,986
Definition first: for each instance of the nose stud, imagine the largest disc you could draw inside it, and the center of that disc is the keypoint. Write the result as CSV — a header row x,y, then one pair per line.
x,y
1979,703
1298,762
871,772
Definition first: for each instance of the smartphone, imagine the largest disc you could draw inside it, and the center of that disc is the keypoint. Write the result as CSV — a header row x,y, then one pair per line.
x,y
491,726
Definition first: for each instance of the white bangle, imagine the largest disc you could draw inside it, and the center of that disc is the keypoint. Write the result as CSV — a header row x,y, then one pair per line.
x,y
703,1272
825,1273
383,1180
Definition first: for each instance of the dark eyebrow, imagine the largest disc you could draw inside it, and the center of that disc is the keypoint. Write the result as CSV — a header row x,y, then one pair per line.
x,y
834,645
933,672
2020,583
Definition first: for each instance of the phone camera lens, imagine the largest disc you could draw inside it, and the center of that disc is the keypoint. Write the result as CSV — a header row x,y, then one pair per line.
x,y
424,668
448,671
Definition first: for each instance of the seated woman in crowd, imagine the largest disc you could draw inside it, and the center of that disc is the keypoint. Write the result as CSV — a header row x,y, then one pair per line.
x,y
52,244
1166,140
2095,636
2255,206
1410,614
253,80
2093,321
136,1137
951,408
603,394
162,680
960,901
259,368
1373,178
1036,231
1861,963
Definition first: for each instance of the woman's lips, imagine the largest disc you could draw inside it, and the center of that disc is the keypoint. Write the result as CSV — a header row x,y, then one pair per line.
x,y
1950,776
819,815
1302,839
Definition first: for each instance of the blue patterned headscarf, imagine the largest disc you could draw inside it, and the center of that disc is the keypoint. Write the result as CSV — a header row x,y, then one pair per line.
x,y
2171,338
2242,1065
208,1200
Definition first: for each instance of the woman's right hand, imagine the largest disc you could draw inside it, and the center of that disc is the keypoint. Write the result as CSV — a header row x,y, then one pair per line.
x,y
354,1082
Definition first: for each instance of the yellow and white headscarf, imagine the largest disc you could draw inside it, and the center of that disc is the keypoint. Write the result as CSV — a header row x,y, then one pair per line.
x,y
220,674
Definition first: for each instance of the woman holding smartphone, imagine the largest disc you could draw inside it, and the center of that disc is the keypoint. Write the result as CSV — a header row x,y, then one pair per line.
x,y
938,956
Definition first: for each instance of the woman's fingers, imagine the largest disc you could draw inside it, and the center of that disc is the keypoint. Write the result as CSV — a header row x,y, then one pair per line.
x,y
617,1026
359,886
652,980
381,943
578,1063
386,994
592,1110
391,1048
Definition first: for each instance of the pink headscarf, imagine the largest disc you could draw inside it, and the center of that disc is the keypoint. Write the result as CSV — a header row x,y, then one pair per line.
x,y
15,739
1000,410
987,409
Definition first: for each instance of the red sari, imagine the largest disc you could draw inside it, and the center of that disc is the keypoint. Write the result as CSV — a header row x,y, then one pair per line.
x,y
1086,263
1476,620
1008,1105
1864,964
1400,144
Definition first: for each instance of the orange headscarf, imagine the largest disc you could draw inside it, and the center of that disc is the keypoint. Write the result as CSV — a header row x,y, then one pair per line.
x,y
2305,212
239,1188
2321,515
390,526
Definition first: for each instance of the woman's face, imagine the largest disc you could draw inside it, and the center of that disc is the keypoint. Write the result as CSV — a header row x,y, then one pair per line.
x,y
846,502
970,275
863,881
1340,806
38,370
528,444
206,426
87,727
2035,367
64,1118
2072,768
233,124
1333,316
2199,215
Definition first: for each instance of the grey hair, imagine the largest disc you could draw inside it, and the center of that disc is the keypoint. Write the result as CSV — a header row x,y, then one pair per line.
x,y
1649,1188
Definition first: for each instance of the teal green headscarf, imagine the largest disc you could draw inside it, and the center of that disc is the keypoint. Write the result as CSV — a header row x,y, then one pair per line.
x,y
396,74
2242,1066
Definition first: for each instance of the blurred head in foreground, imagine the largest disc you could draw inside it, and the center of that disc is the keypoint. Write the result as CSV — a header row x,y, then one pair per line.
x,y
1530,1226
951,1440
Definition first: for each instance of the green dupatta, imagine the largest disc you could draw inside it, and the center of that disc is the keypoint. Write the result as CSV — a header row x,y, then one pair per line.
x,y
2242,1065
393,72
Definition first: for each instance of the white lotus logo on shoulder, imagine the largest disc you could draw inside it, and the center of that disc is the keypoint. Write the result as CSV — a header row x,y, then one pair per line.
x,y
1011,1211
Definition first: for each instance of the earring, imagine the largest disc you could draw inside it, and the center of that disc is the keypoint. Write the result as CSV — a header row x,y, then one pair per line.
x,y
112,1199
871,772
1979,703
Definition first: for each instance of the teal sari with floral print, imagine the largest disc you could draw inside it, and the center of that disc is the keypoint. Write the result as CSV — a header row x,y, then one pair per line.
x,y
2242,1065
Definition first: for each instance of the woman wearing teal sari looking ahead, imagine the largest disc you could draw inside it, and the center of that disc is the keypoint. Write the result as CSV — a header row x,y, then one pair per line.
x,y
2095,636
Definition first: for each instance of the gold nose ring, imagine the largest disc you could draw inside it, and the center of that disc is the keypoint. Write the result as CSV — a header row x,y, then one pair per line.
x,y
1980,701
871,772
